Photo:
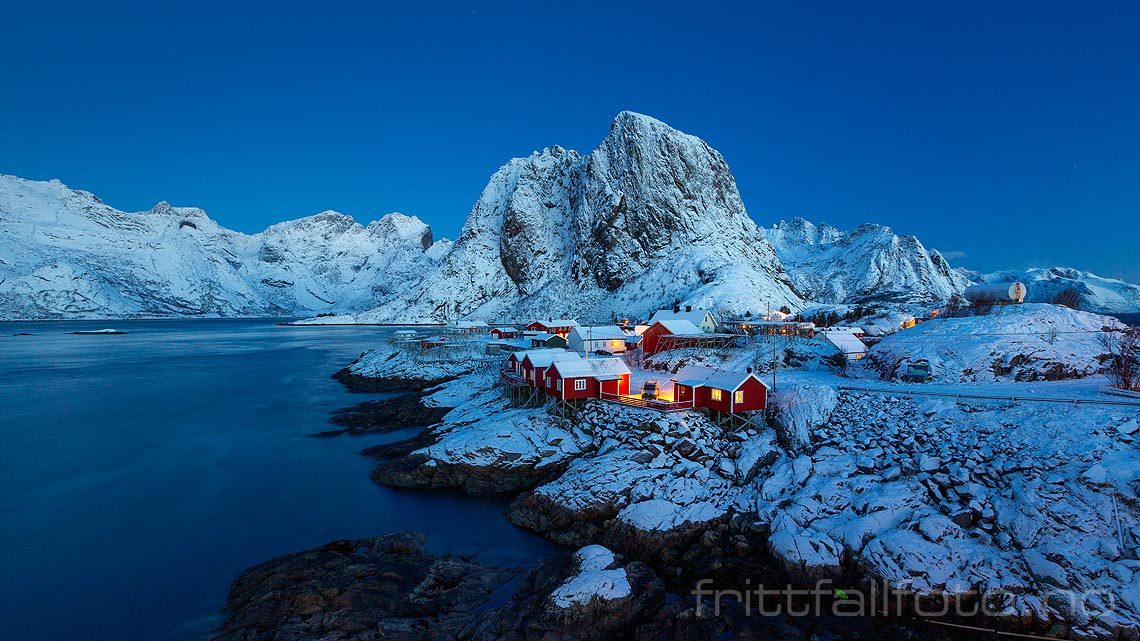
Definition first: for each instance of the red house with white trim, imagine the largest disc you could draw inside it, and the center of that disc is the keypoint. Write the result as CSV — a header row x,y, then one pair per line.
x,y
651,338
560,326
576,379
533,365
728,392
501,333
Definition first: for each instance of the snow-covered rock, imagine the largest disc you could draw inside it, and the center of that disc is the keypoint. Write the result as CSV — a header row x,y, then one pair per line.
x,y
1014,501
595,577
870,264
66,254
1028,342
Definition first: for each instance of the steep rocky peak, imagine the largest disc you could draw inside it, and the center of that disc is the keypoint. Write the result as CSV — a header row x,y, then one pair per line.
x,y
398,227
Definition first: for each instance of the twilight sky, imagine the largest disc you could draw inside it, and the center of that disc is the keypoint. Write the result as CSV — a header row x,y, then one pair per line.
x,y
1006,136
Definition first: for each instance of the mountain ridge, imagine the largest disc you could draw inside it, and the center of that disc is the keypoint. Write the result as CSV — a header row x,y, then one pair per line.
x,y
650,218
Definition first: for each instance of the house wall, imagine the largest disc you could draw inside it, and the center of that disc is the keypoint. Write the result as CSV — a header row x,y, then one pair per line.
x,y
650,340
682,393
755,396
568,392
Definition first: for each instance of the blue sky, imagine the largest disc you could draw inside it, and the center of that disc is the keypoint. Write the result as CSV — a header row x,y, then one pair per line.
x,y
1006,135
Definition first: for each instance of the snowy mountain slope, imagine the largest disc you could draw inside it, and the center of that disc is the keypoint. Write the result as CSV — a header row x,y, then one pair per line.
x,y
650,217
1096,293
66,254
868,264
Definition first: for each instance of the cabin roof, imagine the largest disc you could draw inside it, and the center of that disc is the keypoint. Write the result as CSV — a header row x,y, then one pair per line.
x,y
544,357
845,342
728,381
679,327
696,316
599,368
599,332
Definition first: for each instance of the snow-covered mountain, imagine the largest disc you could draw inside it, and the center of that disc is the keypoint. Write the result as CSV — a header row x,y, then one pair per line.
x,y
1095,293
66,254
649,218
866,265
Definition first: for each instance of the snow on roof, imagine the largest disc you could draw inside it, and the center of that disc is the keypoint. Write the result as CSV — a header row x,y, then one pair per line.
x,y
680,327
717,379
543,336
840,329
845,342
601,368
544,357
506,329
696,316
599,332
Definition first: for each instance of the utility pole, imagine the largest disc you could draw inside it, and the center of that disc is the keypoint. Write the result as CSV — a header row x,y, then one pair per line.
x,y
772,337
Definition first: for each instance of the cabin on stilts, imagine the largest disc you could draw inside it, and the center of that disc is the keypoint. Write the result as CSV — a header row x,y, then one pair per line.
x,y
730,399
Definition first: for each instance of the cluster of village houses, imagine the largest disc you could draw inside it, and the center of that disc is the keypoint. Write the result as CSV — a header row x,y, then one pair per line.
x,y
561,359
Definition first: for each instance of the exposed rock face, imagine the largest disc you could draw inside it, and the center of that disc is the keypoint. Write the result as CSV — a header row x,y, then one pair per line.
x,y
867,265
594,595
66,254
385,415
387,587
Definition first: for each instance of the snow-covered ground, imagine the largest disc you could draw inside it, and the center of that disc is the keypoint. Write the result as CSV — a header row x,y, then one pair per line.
x,y
1011,499
1018,342
406,361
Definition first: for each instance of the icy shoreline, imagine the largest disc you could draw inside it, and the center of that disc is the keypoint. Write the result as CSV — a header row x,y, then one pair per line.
x,y
947,499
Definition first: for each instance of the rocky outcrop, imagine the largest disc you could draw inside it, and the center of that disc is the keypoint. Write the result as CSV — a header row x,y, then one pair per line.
x,y
592,596
417,471
387,587
390,588
385,415
650,217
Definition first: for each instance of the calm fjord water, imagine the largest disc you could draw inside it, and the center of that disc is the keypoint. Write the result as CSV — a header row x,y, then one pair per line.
x,y
140,473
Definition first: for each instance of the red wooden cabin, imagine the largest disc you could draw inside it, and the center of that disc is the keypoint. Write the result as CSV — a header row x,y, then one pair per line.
x,y
724,392
651,338
587,378
501,333
561,326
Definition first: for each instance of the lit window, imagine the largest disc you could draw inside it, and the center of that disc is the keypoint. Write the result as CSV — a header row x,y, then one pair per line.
x,y
715,394
738,397
579,384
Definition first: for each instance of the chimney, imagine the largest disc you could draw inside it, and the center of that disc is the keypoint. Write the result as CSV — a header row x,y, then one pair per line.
x,y
676,309
749,370
688,308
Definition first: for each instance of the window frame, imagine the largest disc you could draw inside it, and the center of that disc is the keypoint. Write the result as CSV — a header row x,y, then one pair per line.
x,y
579,385
738,397
715,394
